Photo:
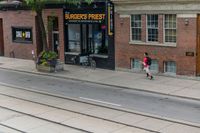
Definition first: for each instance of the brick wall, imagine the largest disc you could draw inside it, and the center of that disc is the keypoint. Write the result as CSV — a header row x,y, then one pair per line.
x,y
57,13
18,19
27,19
186,42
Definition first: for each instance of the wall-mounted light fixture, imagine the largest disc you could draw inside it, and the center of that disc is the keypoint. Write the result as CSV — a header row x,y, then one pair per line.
x,y
186,21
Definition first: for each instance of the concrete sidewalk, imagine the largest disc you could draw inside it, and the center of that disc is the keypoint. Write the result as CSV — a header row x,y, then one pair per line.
x,y
184,87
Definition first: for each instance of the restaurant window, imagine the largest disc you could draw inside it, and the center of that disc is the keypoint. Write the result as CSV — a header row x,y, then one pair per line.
x,y
136,27
170,28
74,38
87,39
22,34
152,28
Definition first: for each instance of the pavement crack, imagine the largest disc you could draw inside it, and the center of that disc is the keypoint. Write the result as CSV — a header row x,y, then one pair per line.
x,y
11,117
160,130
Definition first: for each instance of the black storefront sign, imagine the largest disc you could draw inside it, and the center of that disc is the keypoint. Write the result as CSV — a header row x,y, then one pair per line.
x,y
82,25
84,17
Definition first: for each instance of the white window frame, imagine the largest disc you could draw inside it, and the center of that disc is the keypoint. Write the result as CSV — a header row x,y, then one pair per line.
x,y
155,71
132,66
131,33
147,39
164,41
169,73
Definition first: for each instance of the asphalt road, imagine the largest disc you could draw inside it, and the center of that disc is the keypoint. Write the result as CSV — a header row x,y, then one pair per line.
x,y
165,106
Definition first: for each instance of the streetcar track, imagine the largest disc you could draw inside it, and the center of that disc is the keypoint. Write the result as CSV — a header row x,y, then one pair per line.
x,y
11,128
94,104
33,116
73,112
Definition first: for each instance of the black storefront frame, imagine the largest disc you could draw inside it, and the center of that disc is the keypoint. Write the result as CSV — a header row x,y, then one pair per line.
x,y
106,61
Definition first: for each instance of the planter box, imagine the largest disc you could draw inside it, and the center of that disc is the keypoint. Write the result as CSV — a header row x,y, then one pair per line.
x,y
42,68
59,67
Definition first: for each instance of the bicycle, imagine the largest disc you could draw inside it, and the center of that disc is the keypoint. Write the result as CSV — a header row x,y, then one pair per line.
x,y
73,60
88,61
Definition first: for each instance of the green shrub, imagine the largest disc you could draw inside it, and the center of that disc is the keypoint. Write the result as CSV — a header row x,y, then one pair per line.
x,y
47,58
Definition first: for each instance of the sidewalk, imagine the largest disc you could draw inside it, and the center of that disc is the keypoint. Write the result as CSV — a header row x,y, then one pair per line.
x,y
179,87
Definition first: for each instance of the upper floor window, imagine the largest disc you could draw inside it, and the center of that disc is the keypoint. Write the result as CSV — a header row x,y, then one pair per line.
x,y
170,28
136,27
152,28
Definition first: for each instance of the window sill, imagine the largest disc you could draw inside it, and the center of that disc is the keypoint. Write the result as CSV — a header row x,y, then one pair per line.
x,y
71,53
169,74
22,42
99,55
153,44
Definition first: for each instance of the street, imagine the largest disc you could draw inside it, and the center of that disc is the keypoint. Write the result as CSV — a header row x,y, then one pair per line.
x,y
29,111
159,105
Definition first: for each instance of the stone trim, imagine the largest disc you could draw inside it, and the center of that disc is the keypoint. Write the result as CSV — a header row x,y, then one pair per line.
x,y
124,16
190,8
186,15
153,44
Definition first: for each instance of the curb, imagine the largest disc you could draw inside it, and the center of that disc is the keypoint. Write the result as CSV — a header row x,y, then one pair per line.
x,y
100,83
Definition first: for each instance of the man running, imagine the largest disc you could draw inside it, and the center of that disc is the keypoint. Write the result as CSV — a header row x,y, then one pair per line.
x,y
147,62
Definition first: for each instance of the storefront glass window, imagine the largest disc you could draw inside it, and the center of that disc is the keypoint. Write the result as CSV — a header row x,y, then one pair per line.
x,y
99,40
87,39
74,38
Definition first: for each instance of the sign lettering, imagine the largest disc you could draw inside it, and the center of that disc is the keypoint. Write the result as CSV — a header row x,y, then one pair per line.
x,y
84,17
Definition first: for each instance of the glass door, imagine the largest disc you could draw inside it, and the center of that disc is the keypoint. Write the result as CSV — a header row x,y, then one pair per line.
x,y
84,39
74,38
91,38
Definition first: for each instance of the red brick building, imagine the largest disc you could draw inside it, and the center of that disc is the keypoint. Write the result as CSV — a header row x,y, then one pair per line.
x,y
168,30
76,31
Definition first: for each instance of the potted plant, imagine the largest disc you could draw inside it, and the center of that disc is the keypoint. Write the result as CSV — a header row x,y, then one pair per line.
x,y
46,61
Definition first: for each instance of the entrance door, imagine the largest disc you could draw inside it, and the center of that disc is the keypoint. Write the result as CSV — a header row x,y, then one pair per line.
x,y
91,38
198,46
84,40
55,46
1,38
87,37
